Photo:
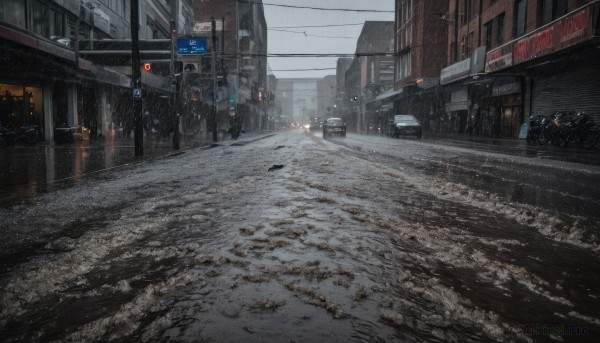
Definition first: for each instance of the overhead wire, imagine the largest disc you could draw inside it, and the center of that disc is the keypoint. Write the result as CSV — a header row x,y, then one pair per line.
x,y
304,26
316,8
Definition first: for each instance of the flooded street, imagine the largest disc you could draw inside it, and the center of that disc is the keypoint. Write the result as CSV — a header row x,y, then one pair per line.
x,y
286,237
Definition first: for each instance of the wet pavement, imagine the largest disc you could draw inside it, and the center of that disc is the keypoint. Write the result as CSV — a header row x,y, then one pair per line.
x,y
29,170
358,239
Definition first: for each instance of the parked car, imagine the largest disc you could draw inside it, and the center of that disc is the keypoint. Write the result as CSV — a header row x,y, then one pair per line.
x,y
405,124
334,127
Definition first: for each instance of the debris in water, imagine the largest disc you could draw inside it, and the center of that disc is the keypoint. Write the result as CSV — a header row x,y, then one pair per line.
x,y
276,167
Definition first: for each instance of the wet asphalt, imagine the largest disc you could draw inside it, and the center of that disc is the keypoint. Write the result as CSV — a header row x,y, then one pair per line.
x,y
287,237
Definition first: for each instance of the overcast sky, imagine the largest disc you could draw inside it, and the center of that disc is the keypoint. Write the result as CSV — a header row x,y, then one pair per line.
x,y
286,42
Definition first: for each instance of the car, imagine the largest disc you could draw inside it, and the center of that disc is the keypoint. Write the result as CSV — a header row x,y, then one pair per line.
x,y
314,124
334,127
405,124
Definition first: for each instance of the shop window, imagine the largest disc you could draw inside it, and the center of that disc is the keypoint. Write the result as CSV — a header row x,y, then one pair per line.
x,y
20,106
520,22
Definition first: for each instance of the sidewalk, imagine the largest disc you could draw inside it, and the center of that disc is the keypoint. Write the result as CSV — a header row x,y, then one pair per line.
x,y
27,170
520,147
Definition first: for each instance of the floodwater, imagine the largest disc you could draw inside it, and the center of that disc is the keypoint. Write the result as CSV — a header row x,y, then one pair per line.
x,y
357,239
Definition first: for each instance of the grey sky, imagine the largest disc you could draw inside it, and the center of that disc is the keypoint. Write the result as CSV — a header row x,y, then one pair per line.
x,y
285,42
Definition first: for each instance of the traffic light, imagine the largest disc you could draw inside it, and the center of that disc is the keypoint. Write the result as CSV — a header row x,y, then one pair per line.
x,y
147,66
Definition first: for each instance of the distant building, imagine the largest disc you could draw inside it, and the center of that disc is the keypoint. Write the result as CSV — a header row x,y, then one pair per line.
x,y
371,73
326,89
245,24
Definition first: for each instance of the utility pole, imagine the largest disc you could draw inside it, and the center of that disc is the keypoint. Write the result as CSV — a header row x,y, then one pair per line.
x,y
174,110
213,67
237,57
136,79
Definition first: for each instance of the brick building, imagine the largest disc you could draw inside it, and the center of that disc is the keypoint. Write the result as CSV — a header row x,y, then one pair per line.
x,y
243,44
541,56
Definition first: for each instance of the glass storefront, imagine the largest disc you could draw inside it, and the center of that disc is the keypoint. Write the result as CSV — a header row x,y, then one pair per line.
x,y
21,106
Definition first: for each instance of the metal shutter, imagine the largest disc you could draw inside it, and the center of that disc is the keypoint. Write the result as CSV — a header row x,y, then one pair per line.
x,y
575,90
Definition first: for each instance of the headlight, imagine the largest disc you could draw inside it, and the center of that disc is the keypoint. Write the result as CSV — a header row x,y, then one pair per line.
x,y
307,126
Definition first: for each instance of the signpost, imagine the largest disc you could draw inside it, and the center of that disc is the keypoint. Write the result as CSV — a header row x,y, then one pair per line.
x,y
192,46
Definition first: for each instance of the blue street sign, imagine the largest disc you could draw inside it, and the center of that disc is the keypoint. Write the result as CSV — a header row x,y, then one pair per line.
x,y
137,92
192,46
231,100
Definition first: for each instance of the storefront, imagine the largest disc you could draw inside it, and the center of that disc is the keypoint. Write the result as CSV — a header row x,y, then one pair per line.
x,y
575,88
462,95
21,105
504,114
559,64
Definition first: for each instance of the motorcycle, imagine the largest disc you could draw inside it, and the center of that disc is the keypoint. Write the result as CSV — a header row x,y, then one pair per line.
x,y
25,134
579,129
535,128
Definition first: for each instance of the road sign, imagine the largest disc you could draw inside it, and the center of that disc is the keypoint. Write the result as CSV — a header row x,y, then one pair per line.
x,y
206,26
192,46
137,93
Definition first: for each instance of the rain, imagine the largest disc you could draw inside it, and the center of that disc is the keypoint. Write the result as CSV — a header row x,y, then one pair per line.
x,y
293,187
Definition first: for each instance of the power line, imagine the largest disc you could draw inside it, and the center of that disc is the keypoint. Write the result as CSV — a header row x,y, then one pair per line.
x,y
308,35
390,54
301,27
316,8
305,69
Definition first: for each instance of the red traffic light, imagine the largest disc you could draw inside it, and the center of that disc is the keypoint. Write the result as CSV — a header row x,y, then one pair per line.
x,y
147,66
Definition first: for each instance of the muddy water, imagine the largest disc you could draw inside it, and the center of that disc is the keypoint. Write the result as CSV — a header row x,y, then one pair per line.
x,y
352,240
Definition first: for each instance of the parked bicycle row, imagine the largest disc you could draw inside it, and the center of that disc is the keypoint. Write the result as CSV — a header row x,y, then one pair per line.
x,y
563,129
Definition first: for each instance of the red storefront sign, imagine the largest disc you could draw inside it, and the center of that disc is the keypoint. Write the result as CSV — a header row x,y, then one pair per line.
x,y
573,29
539,44
564,33
499,58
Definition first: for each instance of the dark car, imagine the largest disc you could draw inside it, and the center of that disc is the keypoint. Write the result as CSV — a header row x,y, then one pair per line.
x,y
314,124
405,124
334,127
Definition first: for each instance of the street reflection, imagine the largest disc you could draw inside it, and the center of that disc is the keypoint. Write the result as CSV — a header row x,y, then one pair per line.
x,y
27,171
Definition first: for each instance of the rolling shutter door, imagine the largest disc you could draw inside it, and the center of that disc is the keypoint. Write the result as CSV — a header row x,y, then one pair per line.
x,y
576,90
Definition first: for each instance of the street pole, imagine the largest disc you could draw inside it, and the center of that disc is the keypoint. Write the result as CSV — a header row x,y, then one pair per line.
x,y
213,67
174,111
136,79
237,57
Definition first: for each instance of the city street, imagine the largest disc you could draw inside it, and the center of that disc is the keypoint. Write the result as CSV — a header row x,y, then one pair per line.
x,y
286,237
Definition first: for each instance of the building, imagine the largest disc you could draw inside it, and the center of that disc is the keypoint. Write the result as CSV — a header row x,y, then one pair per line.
x,y
371,72
48,80
326,91
341,98
538,57
243,47
419,48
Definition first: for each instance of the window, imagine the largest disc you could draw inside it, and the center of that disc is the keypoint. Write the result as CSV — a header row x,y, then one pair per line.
x,y
470,42
453,52
403,66
56,24
40,18
500,29
520,25
488,35
14,12
549,10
